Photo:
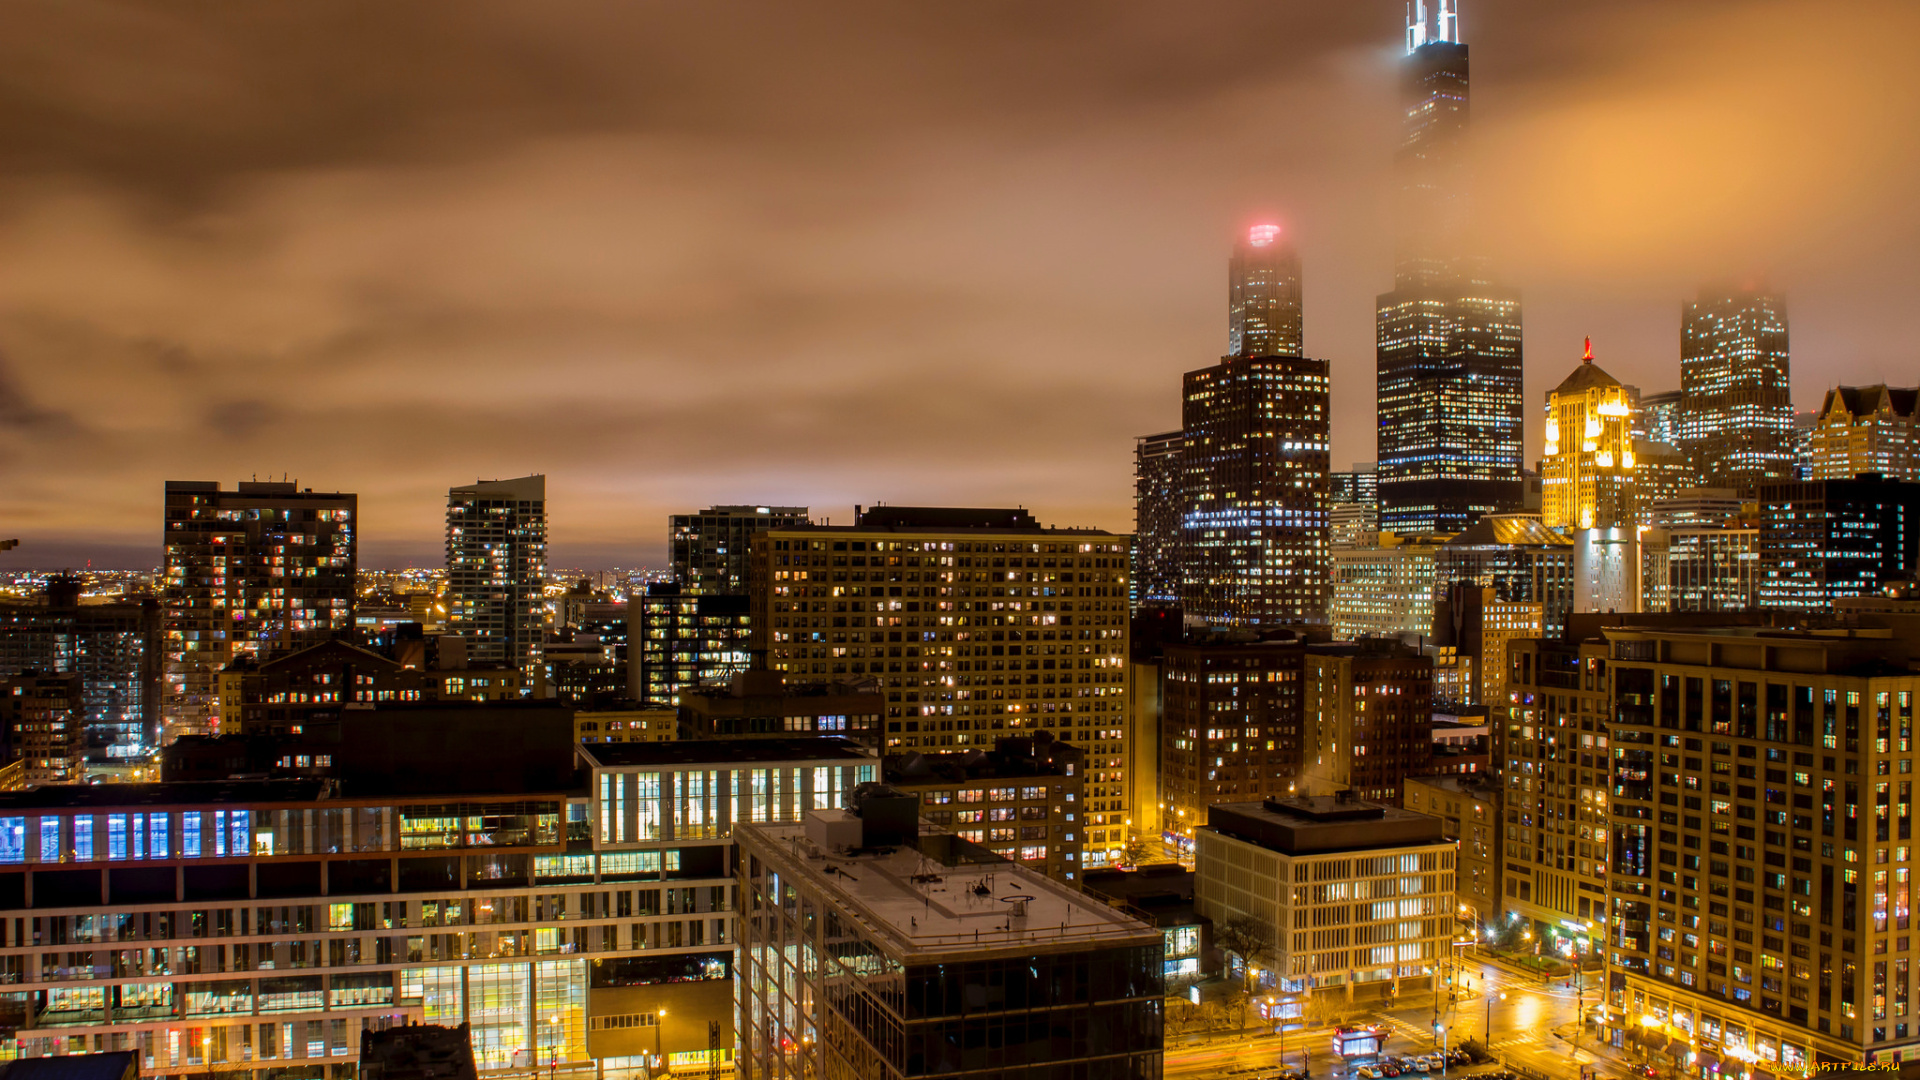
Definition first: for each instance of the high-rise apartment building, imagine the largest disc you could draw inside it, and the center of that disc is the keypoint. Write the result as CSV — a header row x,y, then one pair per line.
x,y
1231,727
1263,295
1254,465
1821,540
1659,417
1368,717
1157,509
1760,822
1551,737
686,640
115,648
1450,409
497,570
1736,412
975,623
1587,475
712,550
1479,627
1866,429
259,571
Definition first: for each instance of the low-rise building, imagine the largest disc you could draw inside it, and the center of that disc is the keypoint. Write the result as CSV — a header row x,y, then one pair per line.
x,y
277,696
1160,894
626,721
758,703
1348,893
1021,800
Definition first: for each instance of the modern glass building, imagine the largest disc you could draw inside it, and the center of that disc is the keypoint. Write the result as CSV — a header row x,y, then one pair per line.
x,y
929,958
252,930
712,550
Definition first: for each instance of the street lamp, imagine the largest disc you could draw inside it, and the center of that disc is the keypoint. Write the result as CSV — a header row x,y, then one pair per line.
x,y
1486,1030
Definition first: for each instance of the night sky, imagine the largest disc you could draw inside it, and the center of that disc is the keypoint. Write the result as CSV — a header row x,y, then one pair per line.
x,y
680,253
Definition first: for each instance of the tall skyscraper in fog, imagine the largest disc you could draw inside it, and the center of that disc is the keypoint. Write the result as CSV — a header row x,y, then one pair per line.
x,y
1263,295
1448,336
1736,415
497,570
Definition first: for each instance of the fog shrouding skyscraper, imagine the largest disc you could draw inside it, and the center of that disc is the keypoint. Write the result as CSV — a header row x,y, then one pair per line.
x,y
1736,415
1448,337
260,571
497,569
1254,465
1263,295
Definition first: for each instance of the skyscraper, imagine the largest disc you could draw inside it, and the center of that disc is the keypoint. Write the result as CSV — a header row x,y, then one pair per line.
x,y
1254,467
975,623
497,569
1736,415
1448,336
711,549
1866,429
1263,295
260,571
1587,473
1156,519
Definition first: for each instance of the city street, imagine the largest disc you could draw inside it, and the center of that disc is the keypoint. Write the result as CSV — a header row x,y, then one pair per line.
x,y
1534,1026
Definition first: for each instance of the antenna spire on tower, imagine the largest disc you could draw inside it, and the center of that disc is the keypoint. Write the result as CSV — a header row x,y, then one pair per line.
x,y
1416,24
1449,21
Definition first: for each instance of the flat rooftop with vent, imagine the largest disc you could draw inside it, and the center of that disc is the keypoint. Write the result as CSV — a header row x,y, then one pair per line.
x,y
946,948
930,891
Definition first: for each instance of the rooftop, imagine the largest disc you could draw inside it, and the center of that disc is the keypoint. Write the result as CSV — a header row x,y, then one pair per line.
x,y
1323,824
179,793
932,907
1470,785
1509,529
112,1065
727,751
418,1052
